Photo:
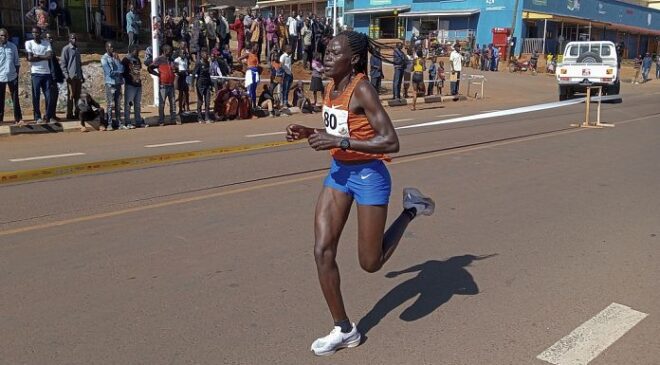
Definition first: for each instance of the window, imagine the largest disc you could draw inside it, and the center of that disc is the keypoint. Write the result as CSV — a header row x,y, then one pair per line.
x,y
573,51
607,51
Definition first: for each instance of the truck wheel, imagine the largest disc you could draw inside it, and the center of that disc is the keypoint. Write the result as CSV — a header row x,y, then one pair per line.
x,y
563,93
589,57
614,88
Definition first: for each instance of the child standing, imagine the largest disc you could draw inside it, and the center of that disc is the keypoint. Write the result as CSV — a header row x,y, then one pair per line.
x,y
183,66
433,73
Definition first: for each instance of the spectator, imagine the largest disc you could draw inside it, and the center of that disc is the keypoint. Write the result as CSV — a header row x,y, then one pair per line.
x,y
533,61
276,78
292,28
247,26
99,18
441,77
202,77
376,69
169,28
211,30
266,100
197,35
39,53
495,60
183,70
229,58
72,69
456,65
417,79
9,71
272,43
407,72
89,110
300,100
166,77
133,23
433,75
39,15
657,66
318,29
399,62
285,60
283,32
257,35
112,75
637,66
252,74
223,30
57,78
646,66
133,90
306,35
317,78
227,102
239,28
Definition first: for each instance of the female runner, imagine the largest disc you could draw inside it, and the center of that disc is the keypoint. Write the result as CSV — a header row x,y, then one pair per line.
x,y
358,132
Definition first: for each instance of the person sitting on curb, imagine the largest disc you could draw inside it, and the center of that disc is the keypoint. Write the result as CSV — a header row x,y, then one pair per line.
x,y
266,100
90,110
300,100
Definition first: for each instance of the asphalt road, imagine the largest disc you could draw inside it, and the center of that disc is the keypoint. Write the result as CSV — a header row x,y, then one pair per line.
x,y
539,227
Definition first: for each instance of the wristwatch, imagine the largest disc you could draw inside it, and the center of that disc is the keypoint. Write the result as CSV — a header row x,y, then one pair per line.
x,y
345,144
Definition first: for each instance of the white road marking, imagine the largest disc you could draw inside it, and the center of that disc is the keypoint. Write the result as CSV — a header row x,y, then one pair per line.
x,y
171,144
448,115
490,111
586,342
501,113
264,134
46,157
402,120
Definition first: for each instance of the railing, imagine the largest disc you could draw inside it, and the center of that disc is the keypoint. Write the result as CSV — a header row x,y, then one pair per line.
x,y
531,44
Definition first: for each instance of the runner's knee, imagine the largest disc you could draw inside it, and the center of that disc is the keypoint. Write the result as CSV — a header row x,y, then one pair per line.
x,y
325,251
370,264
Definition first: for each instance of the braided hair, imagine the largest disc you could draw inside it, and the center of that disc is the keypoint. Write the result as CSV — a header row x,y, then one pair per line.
x,y
361,45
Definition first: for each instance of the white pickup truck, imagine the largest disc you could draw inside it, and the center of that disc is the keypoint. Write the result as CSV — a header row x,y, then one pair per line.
x,y
588,63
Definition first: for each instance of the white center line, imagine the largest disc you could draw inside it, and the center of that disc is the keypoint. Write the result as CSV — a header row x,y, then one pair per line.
x,y
264,134
586,342
171,144
402,120
46,157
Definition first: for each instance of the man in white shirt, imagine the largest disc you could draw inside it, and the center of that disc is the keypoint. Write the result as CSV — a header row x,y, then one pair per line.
x,y
456,64
292,23
287,80
39,53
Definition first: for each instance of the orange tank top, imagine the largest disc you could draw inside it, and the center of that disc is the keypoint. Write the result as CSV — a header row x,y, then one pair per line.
x,y
338,120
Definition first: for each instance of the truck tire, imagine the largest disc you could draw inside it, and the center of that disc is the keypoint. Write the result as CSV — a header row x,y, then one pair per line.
x,y
563,93
589,57
615,88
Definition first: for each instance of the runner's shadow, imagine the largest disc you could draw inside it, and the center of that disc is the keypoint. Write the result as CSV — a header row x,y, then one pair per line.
x,y
436,283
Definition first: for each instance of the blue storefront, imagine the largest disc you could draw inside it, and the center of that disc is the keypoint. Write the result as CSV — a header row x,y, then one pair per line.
x,y
546,24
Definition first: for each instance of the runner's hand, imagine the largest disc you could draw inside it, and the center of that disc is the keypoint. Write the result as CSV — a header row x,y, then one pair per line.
x,y
295,132
323,141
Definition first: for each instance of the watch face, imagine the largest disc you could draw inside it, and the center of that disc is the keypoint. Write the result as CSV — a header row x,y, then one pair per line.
x,y
344,144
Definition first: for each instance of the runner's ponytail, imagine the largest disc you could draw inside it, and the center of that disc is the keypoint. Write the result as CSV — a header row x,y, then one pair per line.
x,y
361,45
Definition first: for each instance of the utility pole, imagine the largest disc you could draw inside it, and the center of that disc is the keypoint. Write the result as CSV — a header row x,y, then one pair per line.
x,y
513,31
154,46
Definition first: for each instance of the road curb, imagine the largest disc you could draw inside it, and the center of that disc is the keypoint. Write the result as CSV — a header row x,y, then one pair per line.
x,y
8,177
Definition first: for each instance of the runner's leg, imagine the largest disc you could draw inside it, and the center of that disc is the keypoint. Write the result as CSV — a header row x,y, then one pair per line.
x,y
332,210
374,246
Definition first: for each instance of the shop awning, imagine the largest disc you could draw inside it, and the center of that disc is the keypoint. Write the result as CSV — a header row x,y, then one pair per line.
x,y
529,15
440,14
378,10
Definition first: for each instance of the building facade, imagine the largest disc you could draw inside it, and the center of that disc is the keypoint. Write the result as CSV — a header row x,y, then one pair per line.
x,y
545,25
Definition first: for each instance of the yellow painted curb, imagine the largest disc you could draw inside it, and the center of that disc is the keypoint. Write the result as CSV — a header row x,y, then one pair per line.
x,y
97,166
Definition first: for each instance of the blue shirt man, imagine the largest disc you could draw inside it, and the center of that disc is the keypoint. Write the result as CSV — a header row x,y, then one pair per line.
x,y
113,79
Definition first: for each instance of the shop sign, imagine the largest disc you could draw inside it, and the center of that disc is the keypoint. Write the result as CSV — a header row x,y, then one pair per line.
x,y
573,5
380,2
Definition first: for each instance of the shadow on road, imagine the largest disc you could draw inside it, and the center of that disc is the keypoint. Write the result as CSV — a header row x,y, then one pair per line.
x,y
436,283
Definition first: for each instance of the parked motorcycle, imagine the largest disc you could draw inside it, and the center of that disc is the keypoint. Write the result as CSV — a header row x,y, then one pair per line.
x,y
518,66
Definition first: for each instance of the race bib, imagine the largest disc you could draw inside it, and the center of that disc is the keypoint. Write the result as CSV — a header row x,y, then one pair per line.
x,y
336,121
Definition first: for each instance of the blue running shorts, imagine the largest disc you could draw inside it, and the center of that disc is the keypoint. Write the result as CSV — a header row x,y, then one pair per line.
x,y
368,183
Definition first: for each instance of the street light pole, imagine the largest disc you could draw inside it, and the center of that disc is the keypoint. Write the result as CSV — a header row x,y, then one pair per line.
x,y
334,18
154,46
513,31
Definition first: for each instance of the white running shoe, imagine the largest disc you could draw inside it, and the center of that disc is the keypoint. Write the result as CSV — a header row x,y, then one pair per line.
x,y
413,198
336,340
